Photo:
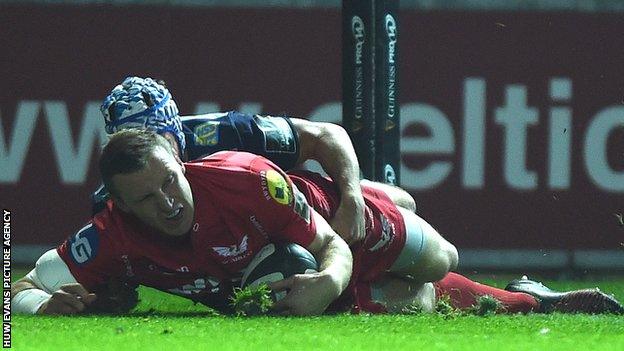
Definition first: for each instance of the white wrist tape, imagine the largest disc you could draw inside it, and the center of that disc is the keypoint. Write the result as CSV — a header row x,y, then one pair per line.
x,y
29,301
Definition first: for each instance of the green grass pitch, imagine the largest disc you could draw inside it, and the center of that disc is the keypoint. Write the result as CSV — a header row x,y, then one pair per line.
x,y
165,322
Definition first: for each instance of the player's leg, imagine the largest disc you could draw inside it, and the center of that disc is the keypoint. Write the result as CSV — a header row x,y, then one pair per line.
x,y
399,196
397,293
526,296
426,255
462,293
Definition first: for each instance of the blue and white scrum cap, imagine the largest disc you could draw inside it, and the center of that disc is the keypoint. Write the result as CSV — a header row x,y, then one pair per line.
x,y
144,104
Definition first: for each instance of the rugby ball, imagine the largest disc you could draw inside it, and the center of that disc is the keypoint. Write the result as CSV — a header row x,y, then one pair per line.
x,y
276,262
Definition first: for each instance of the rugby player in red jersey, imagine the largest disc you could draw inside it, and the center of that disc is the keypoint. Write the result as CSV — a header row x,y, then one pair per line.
x,y
191,229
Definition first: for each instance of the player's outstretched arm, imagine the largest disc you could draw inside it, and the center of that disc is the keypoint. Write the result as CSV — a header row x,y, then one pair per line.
x,y
310,294
50,288
329,144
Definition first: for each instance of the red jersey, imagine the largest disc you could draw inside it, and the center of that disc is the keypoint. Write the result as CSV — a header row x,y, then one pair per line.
x,y
242,203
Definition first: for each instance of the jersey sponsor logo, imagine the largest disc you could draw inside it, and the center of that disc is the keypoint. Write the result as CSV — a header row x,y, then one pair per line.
x,y
258,226
275,186
265,188
387,234
84,245
207,133
198,286
234,253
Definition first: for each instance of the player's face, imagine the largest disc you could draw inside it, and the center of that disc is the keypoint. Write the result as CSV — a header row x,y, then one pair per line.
x,y
159,195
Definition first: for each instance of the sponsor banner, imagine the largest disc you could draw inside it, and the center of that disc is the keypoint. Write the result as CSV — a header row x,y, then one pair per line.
x,y
512,124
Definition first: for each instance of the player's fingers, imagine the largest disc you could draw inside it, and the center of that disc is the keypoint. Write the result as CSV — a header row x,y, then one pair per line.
x,y
80,292
281,285
284,304
69,299
63,303
355,236
361,234
354,240
87,300
346,232
360,230
58,307
70,308
75,289
356,233
281,306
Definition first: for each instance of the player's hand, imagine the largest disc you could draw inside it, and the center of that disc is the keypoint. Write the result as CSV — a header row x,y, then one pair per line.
x,y
349,220
115,297
68,299
309,294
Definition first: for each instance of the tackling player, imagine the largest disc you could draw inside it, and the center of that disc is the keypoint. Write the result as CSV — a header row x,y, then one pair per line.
x,y
144,103
190,229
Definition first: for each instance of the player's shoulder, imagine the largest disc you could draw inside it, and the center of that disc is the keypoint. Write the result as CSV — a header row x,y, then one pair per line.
x,y
212,167
83,246
235,173
107,232
109,225
231,161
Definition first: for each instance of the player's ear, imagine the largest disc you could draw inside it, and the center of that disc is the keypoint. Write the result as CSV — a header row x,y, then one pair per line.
x,y
175,148
120,203
179,161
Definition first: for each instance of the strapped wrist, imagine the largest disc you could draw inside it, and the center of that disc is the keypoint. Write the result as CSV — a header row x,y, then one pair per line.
x,y
29,301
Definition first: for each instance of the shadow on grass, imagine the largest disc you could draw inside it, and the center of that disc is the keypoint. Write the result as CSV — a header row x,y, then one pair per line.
x,y
174,314
145,314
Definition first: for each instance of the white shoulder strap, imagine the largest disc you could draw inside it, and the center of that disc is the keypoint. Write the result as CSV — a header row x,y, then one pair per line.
x,y
51,272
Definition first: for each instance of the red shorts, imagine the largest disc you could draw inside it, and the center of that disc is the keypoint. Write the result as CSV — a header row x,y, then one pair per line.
x,y
385,238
